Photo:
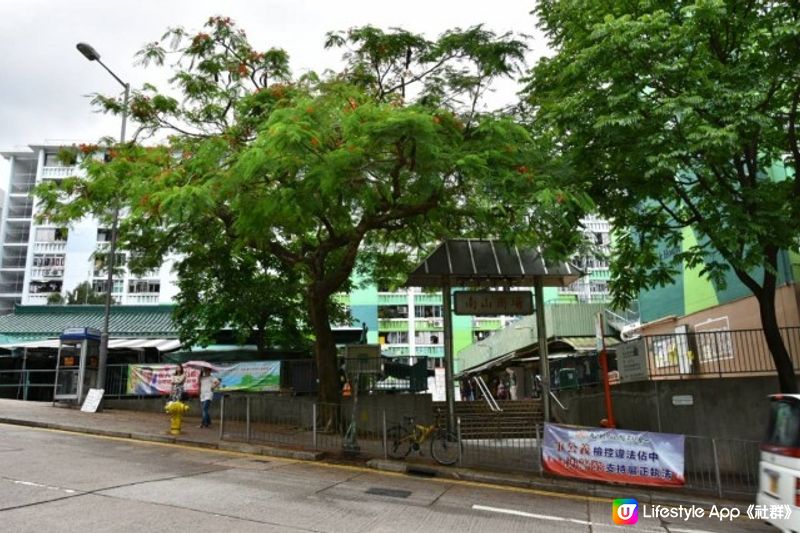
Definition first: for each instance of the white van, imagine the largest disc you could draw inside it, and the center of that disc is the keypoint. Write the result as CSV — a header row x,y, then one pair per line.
x,y
779,468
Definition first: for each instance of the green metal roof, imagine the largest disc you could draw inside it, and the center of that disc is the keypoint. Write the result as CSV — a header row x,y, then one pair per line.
x,y
38,321
562,320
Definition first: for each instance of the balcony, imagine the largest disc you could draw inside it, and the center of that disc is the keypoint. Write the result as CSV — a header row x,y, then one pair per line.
x,y
428,299
11,288
24,211
393,324
13,262
47,272
58,172
17,237
429,324
21,188
37,299
396,350
50,247
487,323
392,298
430,351
141,299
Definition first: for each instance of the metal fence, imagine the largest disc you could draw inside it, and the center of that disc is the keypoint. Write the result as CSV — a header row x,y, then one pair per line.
x,y
716,353
718,467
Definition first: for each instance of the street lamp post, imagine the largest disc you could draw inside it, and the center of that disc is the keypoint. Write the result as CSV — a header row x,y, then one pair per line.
x,y
92,55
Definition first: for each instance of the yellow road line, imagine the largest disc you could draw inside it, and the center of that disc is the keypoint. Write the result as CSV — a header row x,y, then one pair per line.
x,y
351,468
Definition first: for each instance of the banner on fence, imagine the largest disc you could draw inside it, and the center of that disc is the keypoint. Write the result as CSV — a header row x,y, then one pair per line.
x,y
156,380
635,457
251,376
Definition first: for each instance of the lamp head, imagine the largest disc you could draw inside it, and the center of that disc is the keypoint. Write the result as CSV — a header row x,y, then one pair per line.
x,y
88,52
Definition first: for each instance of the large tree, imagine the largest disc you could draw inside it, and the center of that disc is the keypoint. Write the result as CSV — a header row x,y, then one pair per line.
x,y
327,173
681,115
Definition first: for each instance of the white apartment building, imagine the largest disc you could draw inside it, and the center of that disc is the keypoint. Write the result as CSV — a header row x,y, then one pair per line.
x,y
594,286
37,260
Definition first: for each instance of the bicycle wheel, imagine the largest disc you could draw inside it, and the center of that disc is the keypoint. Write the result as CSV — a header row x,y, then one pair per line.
x,y
444,448
398,442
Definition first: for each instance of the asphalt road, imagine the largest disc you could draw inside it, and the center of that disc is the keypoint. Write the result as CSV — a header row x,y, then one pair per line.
x,y
63,482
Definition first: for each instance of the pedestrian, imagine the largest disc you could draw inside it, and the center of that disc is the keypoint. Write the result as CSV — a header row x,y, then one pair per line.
x,y
208,384
178,382
512,382
501,390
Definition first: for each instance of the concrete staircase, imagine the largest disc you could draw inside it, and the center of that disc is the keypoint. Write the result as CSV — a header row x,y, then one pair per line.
x,y
517,420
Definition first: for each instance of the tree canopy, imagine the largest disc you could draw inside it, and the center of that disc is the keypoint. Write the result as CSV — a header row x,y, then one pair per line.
x,y
681,115
306,179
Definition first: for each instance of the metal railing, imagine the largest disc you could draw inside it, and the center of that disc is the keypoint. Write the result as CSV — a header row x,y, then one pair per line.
x,y
716,353
725,468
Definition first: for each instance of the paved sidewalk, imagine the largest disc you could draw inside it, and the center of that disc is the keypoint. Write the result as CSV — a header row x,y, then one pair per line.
x,y
154,427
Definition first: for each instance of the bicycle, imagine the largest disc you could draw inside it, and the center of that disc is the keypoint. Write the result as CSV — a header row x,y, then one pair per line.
x,y
403,438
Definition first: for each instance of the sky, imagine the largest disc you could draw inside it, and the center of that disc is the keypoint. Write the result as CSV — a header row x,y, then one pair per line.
x,y
44,80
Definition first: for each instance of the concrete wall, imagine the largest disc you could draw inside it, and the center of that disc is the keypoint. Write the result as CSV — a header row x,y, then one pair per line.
x,y
724,408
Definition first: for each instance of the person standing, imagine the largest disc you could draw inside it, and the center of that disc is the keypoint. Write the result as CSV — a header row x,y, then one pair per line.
x,y
208,384
178,382
512,382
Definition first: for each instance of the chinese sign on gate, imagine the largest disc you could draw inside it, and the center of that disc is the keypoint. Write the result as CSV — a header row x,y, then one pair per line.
x,y
489,303
635,457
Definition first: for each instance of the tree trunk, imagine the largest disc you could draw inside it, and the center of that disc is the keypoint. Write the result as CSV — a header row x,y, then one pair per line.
x,y
324,348
772,333
260,341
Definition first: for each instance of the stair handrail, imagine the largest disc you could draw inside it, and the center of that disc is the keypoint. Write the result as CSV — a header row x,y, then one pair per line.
x,y
487,395
552,394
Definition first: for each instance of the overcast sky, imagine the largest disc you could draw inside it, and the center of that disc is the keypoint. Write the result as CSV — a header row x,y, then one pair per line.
x,y
44,79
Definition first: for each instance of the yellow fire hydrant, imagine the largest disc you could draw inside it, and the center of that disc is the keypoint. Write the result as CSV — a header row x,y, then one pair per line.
x,y
176,410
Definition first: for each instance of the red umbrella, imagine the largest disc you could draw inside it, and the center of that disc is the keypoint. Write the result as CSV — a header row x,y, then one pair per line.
x,y
201,364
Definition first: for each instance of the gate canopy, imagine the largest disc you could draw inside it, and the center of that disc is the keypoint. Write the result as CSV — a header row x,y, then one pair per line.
x,y
466,262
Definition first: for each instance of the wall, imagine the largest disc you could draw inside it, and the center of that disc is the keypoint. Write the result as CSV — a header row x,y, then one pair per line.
x,y
725,408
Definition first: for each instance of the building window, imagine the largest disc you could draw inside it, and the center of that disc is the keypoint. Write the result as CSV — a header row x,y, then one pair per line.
x,y
392,311
48,260
428,311
103,235
144,286
426,337
51,234
394,337
99,286
41,287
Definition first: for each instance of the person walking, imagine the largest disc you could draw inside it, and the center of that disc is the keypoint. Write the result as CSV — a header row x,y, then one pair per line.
x,y
208,384
512,382
178,382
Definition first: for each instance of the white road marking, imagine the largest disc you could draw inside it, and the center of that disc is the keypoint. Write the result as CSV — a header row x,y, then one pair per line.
x,y
531,515
48,487
553,518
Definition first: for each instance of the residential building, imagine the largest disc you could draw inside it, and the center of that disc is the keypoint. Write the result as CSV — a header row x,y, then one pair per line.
x,y
41,259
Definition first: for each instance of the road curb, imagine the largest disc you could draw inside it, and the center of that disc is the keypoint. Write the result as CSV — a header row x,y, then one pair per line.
x,y
559,486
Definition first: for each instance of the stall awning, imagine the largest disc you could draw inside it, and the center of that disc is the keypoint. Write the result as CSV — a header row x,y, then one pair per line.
x,y
162,345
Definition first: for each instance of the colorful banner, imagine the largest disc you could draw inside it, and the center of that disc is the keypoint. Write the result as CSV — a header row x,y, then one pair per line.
x,y
155,380
252,376
635,457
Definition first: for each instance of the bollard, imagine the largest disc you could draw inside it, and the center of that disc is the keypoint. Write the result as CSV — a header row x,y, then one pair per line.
x,y
385,439
222,417
247,418
716,467
458,438
314,425
538,447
